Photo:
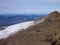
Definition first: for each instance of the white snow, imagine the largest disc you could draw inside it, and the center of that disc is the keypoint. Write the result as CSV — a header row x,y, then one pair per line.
x,y
15,28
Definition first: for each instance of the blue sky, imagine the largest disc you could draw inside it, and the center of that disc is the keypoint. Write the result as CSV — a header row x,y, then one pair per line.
x,y
28,6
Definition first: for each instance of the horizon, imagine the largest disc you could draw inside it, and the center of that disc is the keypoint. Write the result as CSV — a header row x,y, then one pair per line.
x,y
23,14
29,6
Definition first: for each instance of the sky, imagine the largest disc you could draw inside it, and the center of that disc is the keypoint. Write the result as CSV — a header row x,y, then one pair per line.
x,y
28,6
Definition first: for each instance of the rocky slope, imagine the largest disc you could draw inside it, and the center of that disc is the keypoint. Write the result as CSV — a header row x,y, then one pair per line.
x,y
42,33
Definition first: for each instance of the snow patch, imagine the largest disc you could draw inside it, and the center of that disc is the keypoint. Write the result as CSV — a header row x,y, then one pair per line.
x,y
15,28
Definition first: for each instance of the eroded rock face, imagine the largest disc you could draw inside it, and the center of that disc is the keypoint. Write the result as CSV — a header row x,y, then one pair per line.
x,y
40,34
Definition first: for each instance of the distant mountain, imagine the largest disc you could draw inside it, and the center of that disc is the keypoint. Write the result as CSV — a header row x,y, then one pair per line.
x,y
44,32
6,19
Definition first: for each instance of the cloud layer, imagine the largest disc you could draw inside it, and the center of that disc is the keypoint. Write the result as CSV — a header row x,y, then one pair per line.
x,y
28,6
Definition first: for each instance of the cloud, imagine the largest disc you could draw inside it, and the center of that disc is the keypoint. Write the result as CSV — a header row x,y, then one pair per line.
x,y
28,6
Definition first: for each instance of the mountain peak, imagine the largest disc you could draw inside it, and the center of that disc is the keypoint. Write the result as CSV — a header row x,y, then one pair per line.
x,y
54,12
55,15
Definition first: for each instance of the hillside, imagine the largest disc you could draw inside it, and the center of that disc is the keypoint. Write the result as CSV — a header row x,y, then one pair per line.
x,y
42,33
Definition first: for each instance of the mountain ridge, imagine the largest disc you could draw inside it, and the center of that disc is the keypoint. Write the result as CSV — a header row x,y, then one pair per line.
x,y
42,33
